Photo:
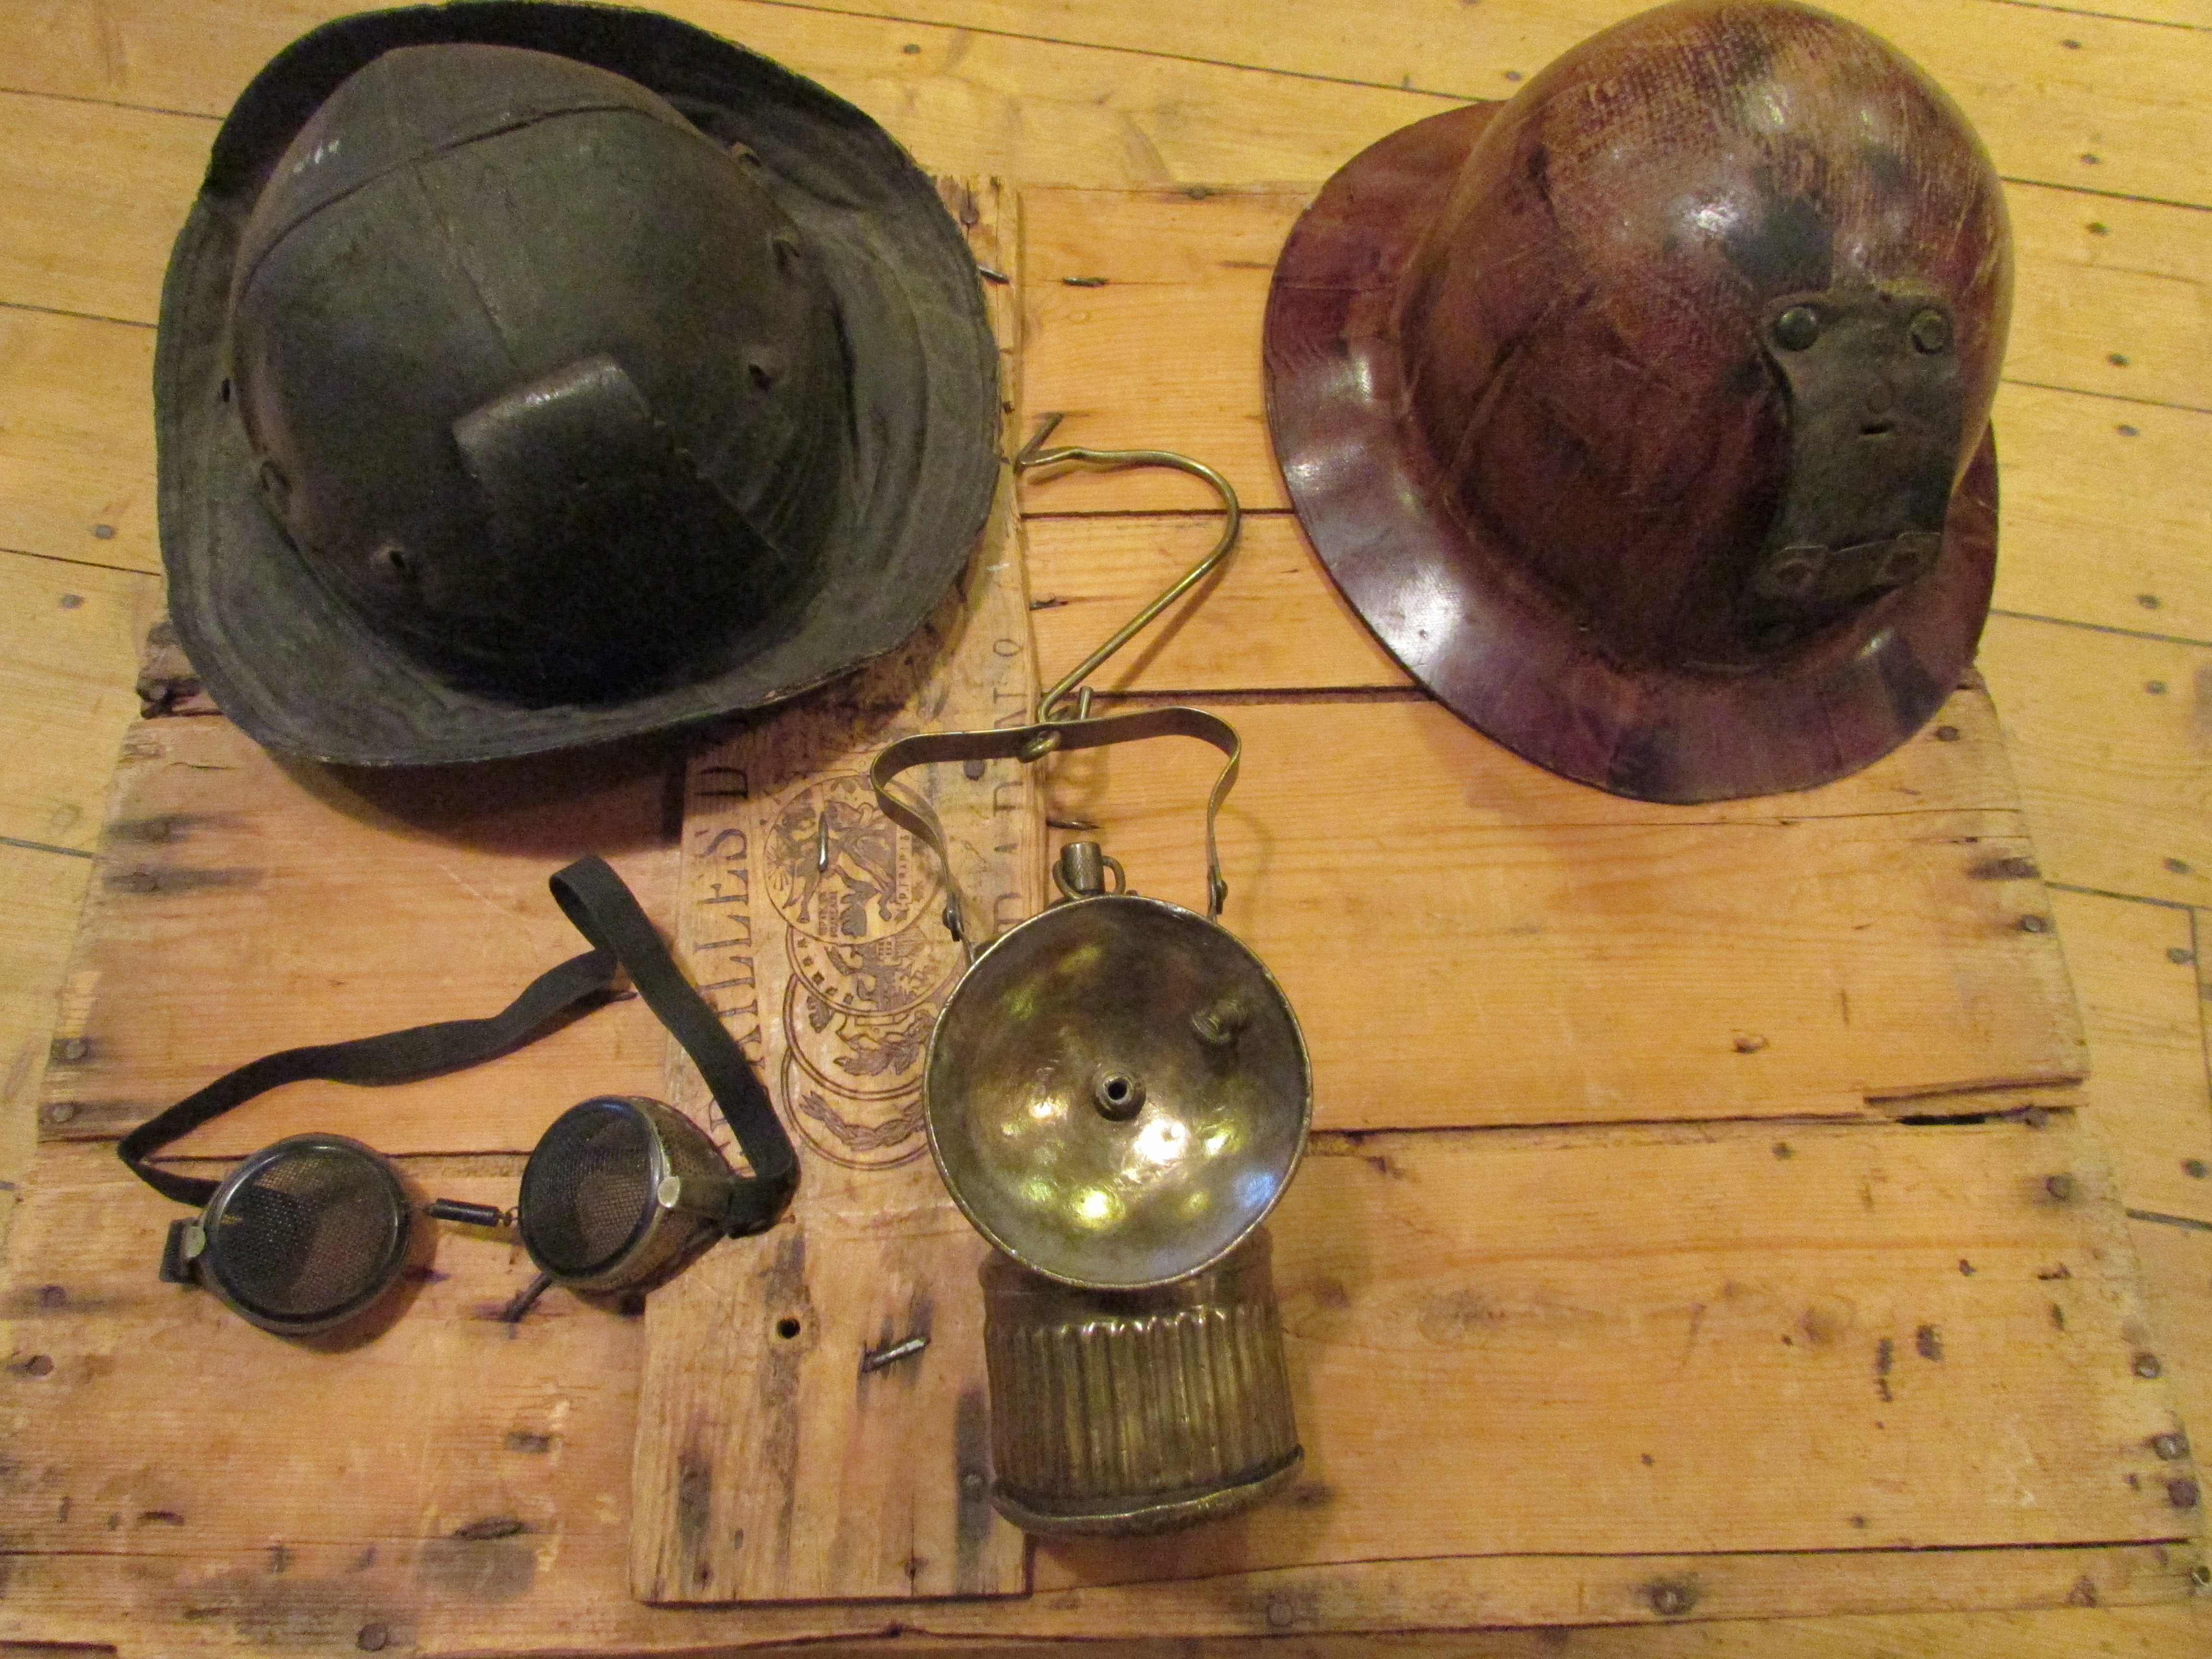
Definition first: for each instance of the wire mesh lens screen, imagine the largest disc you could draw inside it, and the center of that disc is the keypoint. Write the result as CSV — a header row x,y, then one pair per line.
x,y
587,1192
308,1231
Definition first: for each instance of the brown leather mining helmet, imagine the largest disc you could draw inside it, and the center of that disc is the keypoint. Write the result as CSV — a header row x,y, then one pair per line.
x,y
532,375
1645,416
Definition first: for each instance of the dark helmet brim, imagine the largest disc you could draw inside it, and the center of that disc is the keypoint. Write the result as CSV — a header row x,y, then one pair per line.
x,y
302,673
1446,598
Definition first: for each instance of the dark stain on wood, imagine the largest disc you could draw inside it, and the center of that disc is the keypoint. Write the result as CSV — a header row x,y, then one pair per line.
x,y
497,1526
165,828
50,1301
973,1518
280,1558
2084,1593
1279,1609
173,880
1823,1323
1927,1342
529,1440
694,1509
2057,1316
2003,869
674,783
160,1518
959,201
1885,1356
495,1570
784,1298
1452,1317
283,1615
1671,1598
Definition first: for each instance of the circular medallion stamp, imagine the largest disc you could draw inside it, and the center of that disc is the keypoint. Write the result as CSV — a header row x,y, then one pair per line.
x,y
877,976
839,871
862,1134
866,1056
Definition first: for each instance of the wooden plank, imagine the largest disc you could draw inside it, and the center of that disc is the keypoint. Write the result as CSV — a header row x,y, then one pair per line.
x,y
39,894
77,439
76,631
243,905
2097,278
1601,1366
162,1605
2133,967
2105,297
2046,89
2106,512
1473,1282
2098,102
772,1465
2111,737
1383,1608
1523,947
2177,1284
93,197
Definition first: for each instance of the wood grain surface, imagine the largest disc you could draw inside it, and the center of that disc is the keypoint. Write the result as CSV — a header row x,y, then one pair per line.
x,y
240,907
1488,1291
2096,121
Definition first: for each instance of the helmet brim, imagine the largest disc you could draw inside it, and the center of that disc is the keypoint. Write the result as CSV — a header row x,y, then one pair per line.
x,y
301,672
1446,600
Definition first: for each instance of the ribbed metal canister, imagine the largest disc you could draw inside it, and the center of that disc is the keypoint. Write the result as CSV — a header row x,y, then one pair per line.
x,y
1137,1411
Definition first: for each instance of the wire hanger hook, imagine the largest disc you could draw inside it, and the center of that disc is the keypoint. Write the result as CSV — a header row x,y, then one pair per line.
x,y
1034,457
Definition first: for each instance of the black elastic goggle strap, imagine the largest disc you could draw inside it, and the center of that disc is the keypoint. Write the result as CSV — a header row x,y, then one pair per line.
x,y
603,909
593,897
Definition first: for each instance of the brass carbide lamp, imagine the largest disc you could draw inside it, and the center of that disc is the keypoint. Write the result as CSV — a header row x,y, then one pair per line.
x,y
1117,1093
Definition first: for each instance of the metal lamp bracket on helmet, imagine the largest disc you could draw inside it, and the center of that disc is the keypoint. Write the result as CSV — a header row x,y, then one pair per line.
x,y
1874,415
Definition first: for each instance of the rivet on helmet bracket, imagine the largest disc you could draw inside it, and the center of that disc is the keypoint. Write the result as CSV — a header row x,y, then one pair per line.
x,y
1797,328
1931,332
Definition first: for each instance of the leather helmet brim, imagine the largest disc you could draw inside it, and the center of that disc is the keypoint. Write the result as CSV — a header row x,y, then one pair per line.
x,y
302,673
1445,600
